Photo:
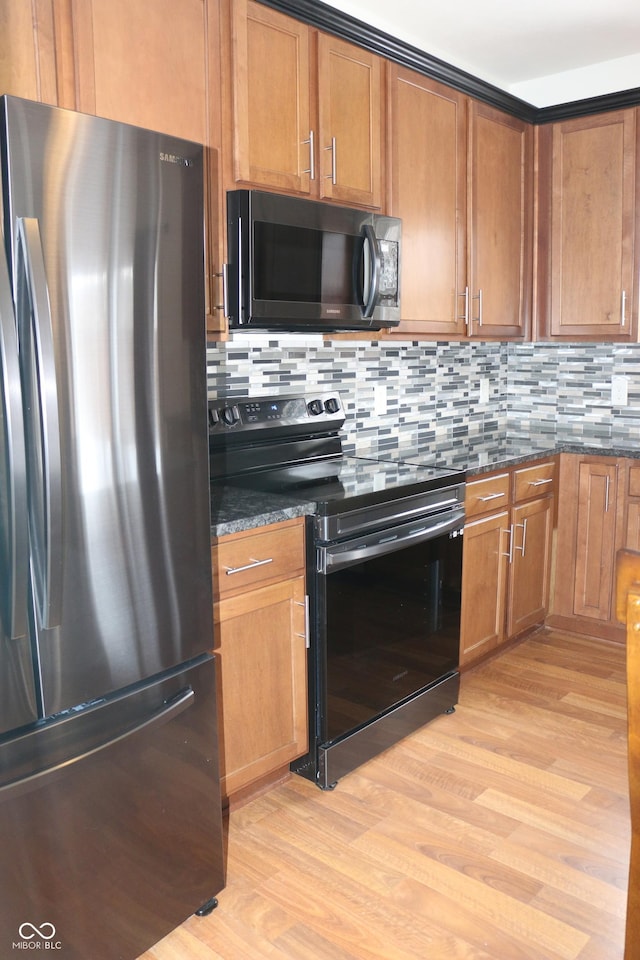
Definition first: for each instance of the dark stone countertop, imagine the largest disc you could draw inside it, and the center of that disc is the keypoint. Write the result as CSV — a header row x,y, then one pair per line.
x,y
486,458
234,509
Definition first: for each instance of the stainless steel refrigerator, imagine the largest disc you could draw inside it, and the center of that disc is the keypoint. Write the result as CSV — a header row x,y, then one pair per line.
x,y
110,820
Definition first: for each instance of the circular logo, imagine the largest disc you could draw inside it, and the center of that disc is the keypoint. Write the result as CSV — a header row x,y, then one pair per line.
x,y
46,931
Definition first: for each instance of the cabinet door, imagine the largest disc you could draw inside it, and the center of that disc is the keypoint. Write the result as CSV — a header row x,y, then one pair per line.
x,y
632,524
500,209
27,50
263,682
484,579
143,63
271,118
428,136
350,121
530,568
592,226
595,539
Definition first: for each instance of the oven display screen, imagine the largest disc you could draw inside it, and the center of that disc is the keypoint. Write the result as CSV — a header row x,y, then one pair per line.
x,y
264,411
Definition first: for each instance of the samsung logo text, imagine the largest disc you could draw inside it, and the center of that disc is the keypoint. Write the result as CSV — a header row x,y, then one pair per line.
x,y
174,158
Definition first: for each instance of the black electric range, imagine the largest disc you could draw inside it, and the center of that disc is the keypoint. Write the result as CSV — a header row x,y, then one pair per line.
x,y
384,562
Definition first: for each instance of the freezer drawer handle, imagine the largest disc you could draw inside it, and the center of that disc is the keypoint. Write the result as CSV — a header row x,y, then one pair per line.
x,y
13,539
44,473
166,712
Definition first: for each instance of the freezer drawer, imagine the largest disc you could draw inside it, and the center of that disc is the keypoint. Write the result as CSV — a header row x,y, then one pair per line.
x,y
111,823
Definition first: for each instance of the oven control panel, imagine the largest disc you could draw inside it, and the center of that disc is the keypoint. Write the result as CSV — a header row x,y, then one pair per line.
x,y
318,411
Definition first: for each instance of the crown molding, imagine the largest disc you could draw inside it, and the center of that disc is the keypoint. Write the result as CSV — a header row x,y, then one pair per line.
x,y
323,17
582,108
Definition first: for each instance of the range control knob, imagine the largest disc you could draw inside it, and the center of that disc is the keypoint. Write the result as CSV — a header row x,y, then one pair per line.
x,y
214,416
332,405
315,407
230,415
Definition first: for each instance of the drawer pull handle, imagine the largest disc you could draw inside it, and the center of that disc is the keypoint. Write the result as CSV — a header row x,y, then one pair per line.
x,y
510,533
247,566
524,537
306,636
490,496
540,483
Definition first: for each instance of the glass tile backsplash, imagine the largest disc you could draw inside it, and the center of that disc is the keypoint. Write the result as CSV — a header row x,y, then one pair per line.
x,y
458,393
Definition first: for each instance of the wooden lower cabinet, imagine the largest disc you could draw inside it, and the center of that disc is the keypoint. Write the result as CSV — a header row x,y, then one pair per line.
x,y
595,520
260,635
632,523
507,557
484,582
263,682
595,538
530,568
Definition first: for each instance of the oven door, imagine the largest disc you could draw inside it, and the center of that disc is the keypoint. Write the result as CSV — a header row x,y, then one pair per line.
x,y
387,618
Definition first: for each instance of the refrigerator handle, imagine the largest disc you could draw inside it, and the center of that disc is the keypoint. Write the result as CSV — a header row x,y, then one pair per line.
x,y
13,527
168,711
42,426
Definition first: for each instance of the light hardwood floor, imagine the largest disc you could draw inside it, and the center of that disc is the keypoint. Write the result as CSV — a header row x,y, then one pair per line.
x,y
498,833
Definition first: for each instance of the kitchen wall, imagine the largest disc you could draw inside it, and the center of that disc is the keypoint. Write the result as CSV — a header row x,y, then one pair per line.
x,y
409,393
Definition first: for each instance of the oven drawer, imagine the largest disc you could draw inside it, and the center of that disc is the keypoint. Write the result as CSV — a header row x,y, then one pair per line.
x,y
486,495
534,481
241,561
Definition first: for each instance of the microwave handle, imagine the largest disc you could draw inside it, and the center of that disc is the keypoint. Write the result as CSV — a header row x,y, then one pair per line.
x,y
370,296
239,319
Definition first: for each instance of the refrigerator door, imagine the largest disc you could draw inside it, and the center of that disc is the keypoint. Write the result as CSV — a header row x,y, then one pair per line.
x,y
116,806
17,689
105,227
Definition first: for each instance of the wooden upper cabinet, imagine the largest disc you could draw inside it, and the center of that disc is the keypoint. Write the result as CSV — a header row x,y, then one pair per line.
x,y
349,123
144,63
154,64
33,61
500,209
305,109
428,162
461,180
271,118
589,186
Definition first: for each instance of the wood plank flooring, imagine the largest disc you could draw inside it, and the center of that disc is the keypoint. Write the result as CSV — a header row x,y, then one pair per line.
x,y
500,832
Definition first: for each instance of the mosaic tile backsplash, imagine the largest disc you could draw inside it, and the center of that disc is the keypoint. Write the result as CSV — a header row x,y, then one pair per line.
x,y
420,393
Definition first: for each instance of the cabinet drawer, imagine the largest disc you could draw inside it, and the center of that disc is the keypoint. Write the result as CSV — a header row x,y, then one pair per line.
x,y
486,495
534,481
245,560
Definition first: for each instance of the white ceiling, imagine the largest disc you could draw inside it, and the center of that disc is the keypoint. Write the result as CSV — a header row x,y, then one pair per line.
x,y
543,51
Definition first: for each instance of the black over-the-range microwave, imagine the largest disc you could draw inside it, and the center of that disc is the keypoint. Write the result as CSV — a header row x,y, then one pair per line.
x,y
299,264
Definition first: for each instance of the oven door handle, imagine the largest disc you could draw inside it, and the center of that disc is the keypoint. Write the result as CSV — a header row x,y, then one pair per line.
x,y
336,557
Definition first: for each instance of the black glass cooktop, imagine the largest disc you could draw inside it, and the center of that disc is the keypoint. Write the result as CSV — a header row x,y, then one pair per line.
x,y
347,482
